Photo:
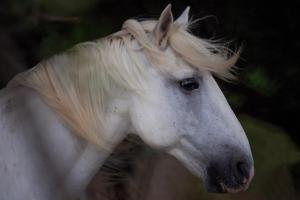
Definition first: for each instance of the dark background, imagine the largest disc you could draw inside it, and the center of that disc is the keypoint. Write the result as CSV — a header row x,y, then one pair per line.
x,y
268,82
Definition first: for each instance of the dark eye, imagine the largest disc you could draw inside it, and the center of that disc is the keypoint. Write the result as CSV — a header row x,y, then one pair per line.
x,y
189,84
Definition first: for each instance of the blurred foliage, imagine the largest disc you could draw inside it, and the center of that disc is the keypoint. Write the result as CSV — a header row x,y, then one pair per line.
x,y
257,79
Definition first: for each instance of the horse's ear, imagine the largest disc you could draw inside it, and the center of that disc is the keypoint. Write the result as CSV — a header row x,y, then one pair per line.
x,y
163,27
183,19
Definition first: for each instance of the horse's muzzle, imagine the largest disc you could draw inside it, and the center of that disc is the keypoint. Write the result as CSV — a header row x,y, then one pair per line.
x,y
231,178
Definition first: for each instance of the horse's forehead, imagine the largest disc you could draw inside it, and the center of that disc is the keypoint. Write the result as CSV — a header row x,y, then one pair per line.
x,y
179,69
183,72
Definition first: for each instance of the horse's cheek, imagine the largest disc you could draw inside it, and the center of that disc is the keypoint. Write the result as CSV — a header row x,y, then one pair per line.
x,y
154,124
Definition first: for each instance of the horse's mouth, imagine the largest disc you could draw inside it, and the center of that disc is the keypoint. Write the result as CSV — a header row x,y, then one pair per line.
x,y
227,189
222,187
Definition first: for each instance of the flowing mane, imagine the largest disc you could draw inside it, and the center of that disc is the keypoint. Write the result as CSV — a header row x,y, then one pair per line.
x,y
77,83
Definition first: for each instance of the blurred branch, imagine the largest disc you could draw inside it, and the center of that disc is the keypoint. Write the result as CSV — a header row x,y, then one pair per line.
x,y
37,16
60,19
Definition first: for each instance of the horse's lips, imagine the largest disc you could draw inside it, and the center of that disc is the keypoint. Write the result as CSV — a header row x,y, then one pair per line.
x,y
233,190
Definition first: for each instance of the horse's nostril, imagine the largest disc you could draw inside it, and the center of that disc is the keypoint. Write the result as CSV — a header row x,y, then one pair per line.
x,y
233,177
243,169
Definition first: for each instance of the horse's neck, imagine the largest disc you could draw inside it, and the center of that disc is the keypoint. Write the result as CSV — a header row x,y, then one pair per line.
x,y
52,162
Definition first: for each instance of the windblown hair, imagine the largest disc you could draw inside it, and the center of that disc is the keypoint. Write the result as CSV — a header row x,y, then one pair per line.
x,y
77,83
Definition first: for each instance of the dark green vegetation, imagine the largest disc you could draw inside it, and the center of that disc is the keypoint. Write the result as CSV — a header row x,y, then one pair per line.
x,y
269,72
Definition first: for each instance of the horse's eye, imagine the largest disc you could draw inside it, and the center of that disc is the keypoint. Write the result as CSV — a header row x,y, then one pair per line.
x,y
189,84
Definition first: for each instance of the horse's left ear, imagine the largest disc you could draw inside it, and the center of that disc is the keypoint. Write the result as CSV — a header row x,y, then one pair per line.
x,y
163,28
183,20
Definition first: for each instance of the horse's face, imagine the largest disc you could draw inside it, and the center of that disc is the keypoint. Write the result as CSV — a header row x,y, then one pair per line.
x,y
187,115
190,118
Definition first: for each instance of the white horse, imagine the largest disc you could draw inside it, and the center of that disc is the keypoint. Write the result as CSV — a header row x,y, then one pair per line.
x,y
60,120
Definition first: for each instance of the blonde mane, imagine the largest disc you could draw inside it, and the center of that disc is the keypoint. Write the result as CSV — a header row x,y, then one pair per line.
x,y
77,83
